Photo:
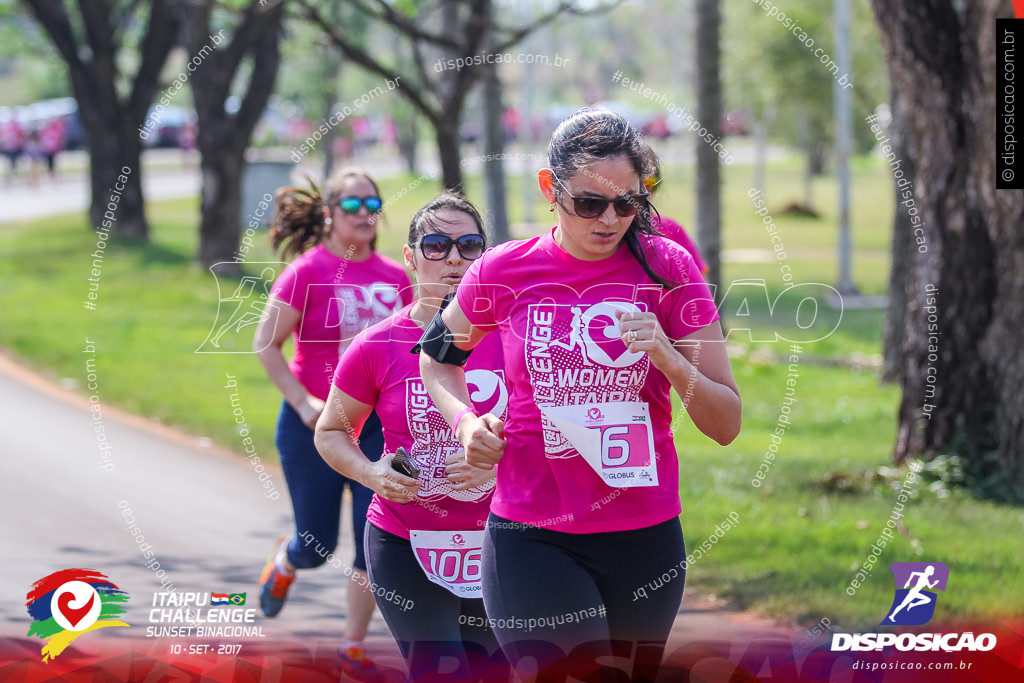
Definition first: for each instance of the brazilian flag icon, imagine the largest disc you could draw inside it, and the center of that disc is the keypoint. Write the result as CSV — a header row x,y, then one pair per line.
x,y
237,598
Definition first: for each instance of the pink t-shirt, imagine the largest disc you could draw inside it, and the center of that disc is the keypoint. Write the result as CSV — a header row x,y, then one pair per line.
x,y
379,370
675,232
51,137
556,318
338,298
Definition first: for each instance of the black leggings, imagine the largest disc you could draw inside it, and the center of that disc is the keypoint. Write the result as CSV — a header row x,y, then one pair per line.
x,y
430,624
563,600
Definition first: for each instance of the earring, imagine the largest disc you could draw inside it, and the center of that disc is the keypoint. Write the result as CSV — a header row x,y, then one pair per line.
x,y
328,221
552,209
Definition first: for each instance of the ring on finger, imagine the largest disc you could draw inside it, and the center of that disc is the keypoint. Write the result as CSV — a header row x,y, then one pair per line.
x,y
634,335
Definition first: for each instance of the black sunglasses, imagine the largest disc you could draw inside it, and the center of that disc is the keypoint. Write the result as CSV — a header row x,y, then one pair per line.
x,y
592,207
436,247
352,204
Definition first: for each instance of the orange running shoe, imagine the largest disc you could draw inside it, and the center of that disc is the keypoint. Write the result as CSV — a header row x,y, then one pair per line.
x,y
354,663
274,584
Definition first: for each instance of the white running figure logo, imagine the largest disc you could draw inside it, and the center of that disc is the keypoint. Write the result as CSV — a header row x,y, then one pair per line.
x,y
915,598
240,317
576,335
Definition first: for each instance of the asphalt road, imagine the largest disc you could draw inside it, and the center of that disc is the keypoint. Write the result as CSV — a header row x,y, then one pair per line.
x,y
201,508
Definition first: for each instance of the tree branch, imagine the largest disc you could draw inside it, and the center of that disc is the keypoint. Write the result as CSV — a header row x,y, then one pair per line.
x,y
121,21
476,34
254,21
359,56
266,58
98,33
161,32
421,68
563,7
50,15
388,15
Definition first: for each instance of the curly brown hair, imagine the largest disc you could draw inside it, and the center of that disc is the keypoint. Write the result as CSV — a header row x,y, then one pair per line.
x,y
298,221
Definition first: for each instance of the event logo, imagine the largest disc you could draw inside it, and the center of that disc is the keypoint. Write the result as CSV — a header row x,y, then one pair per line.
x,y
914,603
69,603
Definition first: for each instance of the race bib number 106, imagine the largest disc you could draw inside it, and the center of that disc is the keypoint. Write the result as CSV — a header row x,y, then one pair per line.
x,y
450,559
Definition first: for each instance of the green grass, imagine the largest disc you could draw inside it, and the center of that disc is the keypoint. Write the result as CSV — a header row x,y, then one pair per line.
x,y
794,551
798,542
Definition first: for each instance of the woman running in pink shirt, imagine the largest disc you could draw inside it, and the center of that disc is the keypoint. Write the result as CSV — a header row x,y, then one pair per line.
x,y
425,532
598,325
336,287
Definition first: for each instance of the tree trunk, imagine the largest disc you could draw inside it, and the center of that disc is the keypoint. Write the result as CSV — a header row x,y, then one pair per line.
x,y
111,115
943,64
904,249
527,141
816,157
115,150
447,133
760,152
709,112
762,124
221,203
408,139
223,137
332,69
494,152
814,154
808,182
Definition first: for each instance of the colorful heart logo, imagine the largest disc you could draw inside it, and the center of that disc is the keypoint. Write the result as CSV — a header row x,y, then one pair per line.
x,y
75,605
70,603
74,615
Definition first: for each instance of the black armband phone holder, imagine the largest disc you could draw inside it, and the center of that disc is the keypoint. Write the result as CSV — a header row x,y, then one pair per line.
x,y
438,341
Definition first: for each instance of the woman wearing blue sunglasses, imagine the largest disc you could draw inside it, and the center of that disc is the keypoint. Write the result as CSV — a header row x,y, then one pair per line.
x,y
336,286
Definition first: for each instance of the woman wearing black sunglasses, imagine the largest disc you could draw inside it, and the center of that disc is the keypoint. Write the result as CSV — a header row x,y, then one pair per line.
x,y
598,325
337,286
425,530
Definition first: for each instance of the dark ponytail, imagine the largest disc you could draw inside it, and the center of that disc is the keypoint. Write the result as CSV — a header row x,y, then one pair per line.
x,y
298,221
589,135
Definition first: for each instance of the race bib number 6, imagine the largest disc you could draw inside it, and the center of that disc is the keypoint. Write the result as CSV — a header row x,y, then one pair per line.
x,y
619,443
615,439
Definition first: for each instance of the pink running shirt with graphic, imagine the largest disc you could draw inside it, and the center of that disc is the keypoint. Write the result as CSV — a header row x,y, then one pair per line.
x,y
337,298
563,354
379,369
